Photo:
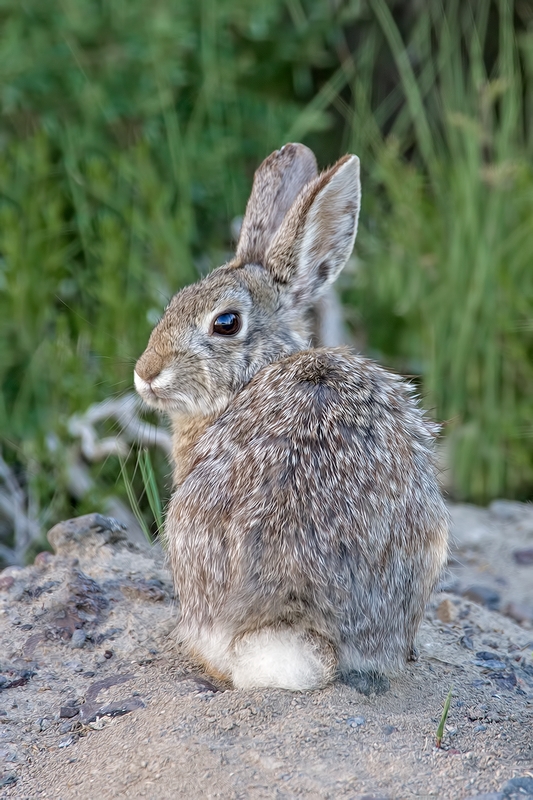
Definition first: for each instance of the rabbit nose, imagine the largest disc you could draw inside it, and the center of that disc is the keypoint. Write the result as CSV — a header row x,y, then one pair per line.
x,y
149,366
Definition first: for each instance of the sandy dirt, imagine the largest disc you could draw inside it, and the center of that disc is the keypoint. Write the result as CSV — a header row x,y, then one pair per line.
x,y
97,700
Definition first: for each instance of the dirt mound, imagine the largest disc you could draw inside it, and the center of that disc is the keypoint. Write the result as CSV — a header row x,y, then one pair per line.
x,y
96,699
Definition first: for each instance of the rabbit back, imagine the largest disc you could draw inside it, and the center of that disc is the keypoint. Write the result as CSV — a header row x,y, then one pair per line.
x,y
311,503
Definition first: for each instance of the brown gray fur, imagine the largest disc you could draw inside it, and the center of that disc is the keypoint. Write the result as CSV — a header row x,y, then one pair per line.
x,y
306,530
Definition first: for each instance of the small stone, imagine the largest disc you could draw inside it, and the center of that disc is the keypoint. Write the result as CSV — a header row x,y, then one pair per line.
x,y
71,537
480,728
505,680
68,711
77,640
484,596
65,727
518,787
524,556
8,780
66,742
355,722
446,611
43,559
108,654
6,583
489,660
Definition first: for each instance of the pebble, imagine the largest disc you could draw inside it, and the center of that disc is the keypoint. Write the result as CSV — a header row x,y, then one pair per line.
x,y
480,728
8,780
446,611
483,595
524,556
65,727
43,558
6,582
505,680
518,787
68,711
78,638
355,722
66,742
491,664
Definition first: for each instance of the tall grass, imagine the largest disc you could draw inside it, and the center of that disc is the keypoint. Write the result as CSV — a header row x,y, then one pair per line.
x,y
453,257
128,137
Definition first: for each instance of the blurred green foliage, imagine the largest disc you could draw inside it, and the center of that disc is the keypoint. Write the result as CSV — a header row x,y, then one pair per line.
x,y
129,131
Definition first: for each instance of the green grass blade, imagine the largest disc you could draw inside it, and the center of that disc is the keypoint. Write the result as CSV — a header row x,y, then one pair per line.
x,y
150,486
442,723
134,505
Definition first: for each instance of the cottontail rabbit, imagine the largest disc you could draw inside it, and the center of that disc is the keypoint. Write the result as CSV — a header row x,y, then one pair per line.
x,y
306,529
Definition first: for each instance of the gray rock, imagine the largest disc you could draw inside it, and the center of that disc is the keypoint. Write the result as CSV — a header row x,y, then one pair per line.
x,y
519,788
78,638
91,530
483,595
523,556
355,722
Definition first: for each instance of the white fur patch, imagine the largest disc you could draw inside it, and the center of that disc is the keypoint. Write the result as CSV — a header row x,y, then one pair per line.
x,y
213,646
164,380
283,659
141,385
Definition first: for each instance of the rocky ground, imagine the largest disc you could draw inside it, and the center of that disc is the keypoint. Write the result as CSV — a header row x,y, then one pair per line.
x,y
97,700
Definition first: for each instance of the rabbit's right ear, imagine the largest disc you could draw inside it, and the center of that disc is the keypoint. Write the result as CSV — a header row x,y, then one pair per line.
x,y
317,236
277,183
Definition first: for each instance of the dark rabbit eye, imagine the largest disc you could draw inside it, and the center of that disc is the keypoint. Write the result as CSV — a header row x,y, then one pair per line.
x,y
227,324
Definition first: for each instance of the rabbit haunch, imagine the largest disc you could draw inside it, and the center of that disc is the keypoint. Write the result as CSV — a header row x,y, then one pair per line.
x,y
306,530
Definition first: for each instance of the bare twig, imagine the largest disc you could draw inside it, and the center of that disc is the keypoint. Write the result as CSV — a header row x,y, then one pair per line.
x,y
125,410
20,515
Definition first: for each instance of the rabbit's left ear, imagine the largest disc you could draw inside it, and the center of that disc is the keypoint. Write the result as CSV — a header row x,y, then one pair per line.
x,y
317,236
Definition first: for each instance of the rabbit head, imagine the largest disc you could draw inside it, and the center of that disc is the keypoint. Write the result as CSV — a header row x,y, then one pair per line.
x,y
297,234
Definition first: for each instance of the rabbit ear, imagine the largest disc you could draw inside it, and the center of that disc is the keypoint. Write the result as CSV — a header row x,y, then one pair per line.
x,y
277,183
316,237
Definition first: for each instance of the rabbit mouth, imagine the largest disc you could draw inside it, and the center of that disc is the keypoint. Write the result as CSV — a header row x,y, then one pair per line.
x,y
165,398
152,394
